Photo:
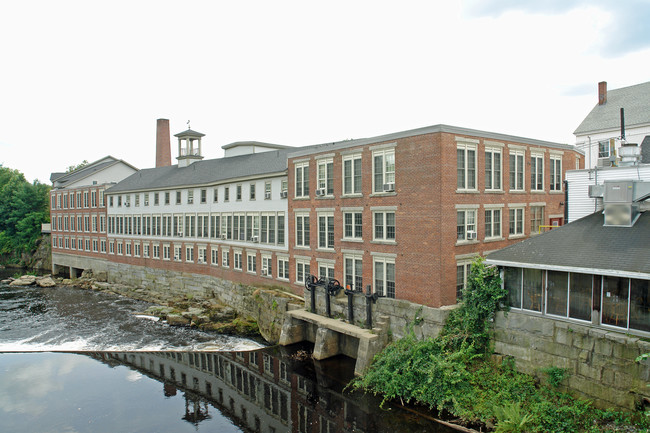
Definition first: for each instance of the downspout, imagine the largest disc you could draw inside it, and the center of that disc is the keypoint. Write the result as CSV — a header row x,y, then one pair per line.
x,y
566,201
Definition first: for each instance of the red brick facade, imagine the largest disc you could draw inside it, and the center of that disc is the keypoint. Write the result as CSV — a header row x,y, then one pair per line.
x,y
426,203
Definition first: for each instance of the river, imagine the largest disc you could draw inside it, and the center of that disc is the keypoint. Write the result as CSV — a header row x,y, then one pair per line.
x,y
73,360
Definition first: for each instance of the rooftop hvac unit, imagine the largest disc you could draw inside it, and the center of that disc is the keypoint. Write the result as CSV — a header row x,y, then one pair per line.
x,y
389,187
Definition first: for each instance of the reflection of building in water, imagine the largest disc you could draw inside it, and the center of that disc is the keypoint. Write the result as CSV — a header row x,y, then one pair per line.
x,y
259,391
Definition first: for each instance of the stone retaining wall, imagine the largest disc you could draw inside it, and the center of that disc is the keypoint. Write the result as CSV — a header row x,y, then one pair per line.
x,y
601,363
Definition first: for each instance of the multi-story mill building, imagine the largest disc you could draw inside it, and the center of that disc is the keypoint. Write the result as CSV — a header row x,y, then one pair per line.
x,y
405,213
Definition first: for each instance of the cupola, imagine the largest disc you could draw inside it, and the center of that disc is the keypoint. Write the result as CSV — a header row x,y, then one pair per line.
x,y
189,147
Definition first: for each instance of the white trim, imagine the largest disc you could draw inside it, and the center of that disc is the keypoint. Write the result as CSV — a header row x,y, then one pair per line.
x,y
467,140
467,206
595,271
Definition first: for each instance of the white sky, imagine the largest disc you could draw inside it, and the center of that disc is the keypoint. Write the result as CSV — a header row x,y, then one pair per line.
x,y
83,79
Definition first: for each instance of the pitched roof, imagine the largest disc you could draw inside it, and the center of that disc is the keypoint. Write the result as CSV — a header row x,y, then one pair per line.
x,y
634,99
585,245
66,178
211,171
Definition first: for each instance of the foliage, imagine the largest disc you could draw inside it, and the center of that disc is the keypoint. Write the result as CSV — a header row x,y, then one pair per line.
x,y
72,168
555,375
453,372
23,207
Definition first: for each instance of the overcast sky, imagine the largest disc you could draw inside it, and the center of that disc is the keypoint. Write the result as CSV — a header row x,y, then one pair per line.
x,y
83,79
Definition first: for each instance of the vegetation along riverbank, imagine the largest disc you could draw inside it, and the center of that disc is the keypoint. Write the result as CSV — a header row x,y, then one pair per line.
x,y
457,374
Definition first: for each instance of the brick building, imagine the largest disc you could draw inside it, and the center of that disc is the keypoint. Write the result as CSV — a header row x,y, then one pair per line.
x,y
407,212
78,214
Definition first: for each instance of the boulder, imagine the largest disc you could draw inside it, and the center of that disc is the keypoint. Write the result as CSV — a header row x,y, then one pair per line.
x,y
25,280
45,282
177,320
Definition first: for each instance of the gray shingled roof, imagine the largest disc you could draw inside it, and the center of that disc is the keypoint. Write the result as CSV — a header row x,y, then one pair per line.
x,y
82,173
205,172
584,244
634,99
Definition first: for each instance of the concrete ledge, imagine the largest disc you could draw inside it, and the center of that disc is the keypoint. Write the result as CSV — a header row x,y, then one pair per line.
x,y
332,324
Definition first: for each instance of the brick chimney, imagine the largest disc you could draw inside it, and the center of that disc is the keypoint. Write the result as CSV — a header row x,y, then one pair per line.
x,y
602,92
163,144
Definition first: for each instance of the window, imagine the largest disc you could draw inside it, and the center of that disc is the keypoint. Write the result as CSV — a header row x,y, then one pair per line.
x,y
353,271
145,250
86,199
214,256
267,190
302,179
166,252
215,195
524,288
384,277
616,292
302,230
557,293
146,199
203,224
204,196
238,193
156,251
352,174
102,223
537,173
326,231
102,246
156,198
251,194
190,226
516,217
536,218
225,258
251,263
237,259
462,274
178,197
189,254
556,173
516,171
136,249
326,176
492,223
325,270
93,223
226,193
383,169
603,149
302,270
119,246
493,169
465,167
167,199
177,253
465,225
352,225
137,200
267,265
283,268
384,226
93,199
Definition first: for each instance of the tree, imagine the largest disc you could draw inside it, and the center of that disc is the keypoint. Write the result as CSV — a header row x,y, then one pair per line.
x,y
72,168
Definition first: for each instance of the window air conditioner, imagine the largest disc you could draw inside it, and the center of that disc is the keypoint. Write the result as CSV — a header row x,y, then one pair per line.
x,y
223,237
127,204
267,195
255,239
283,194
389,187
471,235
264,272
320,192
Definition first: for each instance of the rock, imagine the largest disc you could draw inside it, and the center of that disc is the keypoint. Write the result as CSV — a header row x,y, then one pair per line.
x,y
45,282
177,320
25,280
7,281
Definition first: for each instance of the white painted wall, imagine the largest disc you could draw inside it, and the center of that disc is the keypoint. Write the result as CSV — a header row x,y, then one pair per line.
x,y
114,173
579,202
632,135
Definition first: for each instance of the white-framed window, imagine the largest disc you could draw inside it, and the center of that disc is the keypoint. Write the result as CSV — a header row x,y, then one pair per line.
x,y
102,223
537,172
67,243
137,200
267,265
267,190
203,255
136,249
353,225
102,246
94,223
189,254
238,192
302,229
215,195
383,223
326,230
145,250
353,271
325,178
225,258
492,223
517,170
203,226
93,198
177,253
465,166
383,169
190,225
384,276
237,260
95,246
465,225
493,169
111,247
283,268
102,200
119,247
204,196
146,199
325,269
251,263
214,256
178,197
302,270
86,199
302,179
604,149
463,269
352,174
226,193
556,173
516,221
166,252
251,192
536,218
156,251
